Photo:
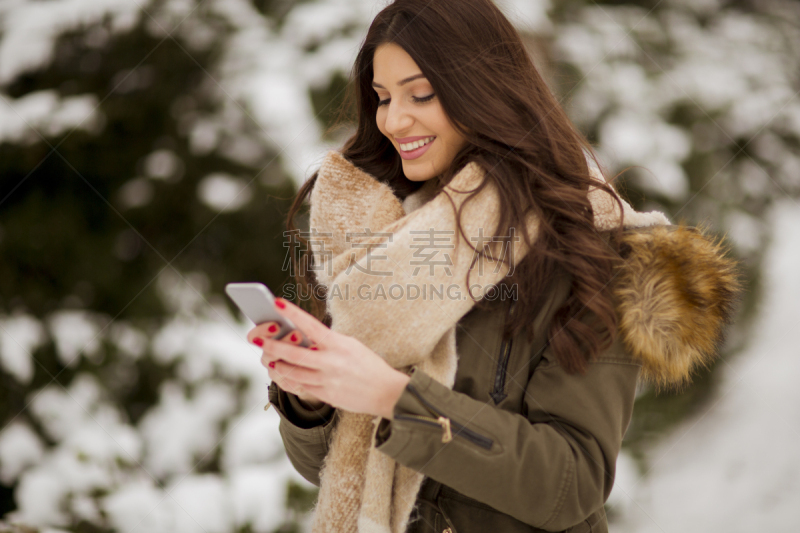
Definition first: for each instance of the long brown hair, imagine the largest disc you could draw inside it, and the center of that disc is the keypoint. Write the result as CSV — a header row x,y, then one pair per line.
x,y
516,130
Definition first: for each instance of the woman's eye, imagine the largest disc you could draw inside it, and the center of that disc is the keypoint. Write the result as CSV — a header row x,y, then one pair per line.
x,y
423,99
414,98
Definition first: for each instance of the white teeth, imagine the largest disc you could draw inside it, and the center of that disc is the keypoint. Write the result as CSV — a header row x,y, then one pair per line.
x,y
416,144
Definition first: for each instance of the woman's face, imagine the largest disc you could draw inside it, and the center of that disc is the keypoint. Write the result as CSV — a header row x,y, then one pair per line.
x,y
409,114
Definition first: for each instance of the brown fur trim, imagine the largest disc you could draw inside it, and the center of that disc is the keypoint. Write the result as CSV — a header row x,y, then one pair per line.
x,y
675,292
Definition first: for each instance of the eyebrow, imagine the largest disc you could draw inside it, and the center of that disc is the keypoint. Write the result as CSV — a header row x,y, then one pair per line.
x,y
401,82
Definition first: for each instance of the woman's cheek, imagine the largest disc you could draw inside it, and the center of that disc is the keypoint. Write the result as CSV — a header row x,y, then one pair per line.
x,y
380,120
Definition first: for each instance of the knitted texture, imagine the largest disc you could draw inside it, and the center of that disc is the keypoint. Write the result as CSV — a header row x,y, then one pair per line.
x,y
396,280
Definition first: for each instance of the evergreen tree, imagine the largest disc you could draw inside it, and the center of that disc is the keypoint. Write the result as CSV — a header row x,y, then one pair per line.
x,y
148,155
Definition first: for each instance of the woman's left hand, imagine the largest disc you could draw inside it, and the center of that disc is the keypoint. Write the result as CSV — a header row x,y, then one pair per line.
x,y
341,372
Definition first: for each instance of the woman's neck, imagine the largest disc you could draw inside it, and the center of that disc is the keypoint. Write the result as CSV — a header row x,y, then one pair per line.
x,y
418,198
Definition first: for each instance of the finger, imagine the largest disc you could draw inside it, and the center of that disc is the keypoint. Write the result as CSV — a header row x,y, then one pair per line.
x,y
306,389
285,384
289,385
315,390
273,351
267,359
293,337
298,374
304,321
295,355
263,331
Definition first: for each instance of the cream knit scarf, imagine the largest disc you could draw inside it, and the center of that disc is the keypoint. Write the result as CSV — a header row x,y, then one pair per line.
x,y
371,296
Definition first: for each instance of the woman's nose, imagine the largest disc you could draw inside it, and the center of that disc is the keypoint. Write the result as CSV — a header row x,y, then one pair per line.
x,y
397,119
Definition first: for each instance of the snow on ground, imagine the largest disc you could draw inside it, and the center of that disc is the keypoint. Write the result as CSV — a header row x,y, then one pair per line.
x,y
735,467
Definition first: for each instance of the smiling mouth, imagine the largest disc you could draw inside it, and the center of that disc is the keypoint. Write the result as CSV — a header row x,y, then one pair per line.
x,y
410,147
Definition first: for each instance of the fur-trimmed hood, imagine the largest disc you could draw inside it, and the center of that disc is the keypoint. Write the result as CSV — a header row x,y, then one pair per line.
x,y
675,293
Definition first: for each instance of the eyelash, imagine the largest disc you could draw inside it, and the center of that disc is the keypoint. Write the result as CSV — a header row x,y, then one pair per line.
x,y
414,98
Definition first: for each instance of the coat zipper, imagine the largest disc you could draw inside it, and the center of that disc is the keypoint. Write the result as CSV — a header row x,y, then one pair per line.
x,y
447,425
443,422
498,394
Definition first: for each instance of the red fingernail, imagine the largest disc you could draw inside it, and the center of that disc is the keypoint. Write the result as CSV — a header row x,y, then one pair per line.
x,y
273,328
313,348
280,303
258,342
272,364
294,337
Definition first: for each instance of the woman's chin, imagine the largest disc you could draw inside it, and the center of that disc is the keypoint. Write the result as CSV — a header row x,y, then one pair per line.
x,y
415,173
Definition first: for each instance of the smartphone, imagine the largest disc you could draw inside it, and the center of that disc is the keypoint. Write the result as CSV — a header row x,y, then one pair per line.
x,y
258,304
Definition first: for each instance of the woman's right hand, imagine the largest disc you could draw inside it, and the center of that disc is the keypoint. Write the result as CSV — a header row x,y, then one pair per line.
x,y
269,330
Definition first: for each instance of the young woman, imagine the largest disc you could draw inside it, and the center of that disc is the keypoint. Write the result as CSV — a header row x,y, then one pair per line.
x,y
484,381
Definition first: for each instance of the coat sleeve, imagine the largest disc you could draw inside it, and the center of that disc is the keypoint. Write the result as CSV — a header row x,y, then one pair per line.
x,y
306,433
550,467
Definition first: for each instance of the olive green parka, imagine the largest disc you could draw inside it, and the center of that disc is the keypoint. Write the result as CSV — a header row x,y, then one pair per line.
x,y
519,444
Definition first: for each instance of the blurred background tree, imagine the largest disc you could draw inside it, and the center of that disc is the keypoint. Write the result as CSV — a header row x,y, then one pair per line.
x,y
149,152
